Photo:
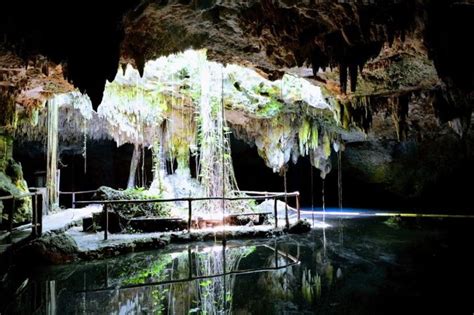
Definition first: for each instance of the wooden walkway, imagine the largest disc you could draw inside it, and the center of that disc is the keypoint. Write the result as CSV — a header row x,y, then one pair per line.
x,y
59,221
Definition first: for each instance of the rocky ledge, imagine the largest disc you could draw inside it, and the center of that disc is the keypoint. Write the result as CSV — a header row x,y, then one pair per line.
x,y
74,245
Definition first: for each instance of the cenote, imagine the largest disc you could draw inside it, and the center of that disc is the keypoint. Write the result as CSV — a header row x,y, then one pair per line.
x,y
357,266
236,157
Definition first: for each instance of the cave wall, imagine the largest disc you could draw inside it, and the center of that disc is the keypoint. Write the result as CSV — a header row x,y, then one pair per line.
x,y
106,165
11,174
428,169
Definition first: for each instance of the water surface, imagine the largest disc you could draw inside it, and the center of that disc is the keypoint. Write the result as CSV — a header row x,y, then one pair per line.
x,y
356,266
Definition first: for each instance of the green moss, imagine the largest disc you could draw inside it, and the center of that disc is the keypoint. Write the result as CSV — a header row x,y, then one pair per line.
x,y
326,145
314,139
8,118
308,136
12,183
128,93
345,114
6,147
304,133
270,109
180,150
267,90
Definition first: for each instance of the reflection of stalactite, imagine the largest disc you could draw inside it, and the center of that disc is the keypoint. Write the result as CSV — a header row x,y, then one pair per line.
x,y
310,286
215,295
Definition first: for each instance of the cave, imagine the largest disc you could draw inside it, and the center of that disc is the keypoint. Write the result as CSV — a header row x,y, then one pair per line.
x,y
236,157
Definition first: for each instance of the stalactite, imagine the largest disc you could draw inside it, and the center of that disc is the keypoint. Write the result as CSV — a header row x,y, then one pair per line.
x,y
143,183
399,115
84,151
133,166
52,154
353,76
343,77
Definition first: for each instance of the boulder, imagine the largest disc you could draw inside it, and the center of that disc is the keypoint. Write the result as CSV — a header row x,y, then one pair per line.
x,y
51,248
299,227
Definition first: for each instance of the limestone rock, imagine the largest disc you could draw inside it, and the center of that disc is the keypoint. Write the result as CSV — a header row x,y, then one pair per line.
x,y
50,248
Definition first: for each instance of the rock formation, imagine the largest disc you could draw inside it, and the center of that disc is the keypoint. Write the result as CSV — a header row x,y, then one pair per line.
x,y
396,70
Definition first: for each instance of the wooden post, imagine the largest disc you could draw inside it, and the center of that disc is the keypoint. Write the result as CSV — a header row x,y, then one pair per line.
x,y
39,218
106,218
276,254
73,200
275,210
287,220
189,263
189,215
35,216
298,205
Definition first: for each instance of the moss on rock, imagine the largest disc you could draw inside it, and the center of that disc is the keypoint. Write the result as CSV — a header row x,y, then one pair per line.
x,y
12,182
133,210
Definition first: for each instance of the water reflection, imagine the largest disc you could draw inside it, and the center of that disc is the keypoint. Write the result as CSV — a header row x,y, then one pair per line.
x,y
194,279
362,266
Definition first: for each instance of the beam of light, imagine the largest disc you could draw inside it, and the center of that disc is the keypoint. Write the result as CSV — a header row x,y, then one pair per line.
x,y
423,215
348,212
335,213
320,225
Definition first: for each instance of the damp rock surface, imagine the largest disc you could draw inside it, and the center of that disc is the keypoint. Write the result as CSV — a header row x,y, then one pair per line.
x,y
50,248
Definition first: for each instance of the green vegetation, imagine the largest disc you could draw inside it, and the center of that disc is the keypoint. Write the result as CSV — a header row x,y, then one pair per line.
x,y
156,271
133,210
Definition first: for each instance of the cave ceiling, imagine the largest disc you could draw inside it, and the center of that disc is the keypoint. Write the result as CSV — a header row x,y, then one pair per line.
x,y
363,48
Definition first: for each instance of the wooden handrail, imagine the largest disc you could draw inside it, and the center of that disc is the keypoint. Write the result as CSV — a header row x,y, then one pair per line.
x,y
9,197
102,202
266,193
77,192
37,220
189,200
74,193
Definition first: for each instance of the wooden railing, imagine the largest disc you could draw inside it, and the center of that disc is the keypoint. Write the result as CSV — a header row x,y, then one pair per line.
x,y
37,211
261,196
75,193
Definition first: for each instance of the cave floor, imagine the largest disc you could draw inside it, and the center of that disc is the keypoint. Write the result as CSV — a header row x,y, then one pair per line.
x,y
91,245
87,241
64,219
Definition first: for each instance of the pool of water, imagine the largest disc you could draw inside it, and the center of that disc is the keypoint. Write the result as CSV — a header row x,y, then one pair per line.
x,y
356,266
